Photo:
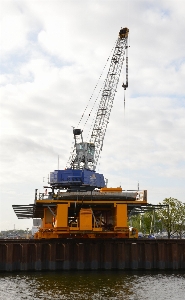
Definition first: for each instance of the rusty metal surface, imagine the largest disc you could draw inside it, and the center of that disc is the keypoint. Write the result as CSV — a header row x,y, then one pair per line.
x,y
91,254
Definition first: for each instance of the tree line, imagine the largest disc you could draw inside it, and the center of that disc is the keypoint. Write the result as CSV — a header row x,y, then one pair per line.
x,y
168,216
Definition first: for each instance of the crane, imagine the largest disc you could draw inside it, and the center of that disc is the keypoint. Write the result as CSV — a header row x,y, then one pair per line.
x,y
87,154
83,161
80,205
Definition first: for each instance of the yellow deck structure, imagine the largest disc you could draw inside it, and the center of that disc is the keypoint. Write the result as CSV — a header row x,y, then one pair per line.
x,y
97,214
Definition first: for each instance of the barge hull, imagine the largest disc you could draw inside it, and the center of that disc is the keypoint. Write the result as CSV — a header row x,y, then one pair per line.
x,y
91,254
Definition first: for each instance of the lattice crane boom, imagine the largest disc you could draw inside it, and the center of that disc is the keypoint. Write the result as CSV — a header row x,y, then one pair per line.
x,y
86,155
108,93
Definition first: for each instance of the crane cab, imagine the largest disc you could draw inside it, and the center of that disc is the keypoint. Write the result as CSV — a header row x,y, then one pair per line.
x,y
83,157
85,152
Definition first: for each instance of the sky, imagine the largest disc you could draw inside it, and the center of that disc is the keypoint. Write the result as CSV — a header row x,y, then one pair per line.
x,y
52,55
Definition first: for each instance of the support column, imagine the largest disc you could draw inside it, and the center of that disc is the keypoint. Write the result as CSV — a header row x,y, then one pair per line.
x,y
52,256
24,258
134,256
121,256
38,263
148,257
9,257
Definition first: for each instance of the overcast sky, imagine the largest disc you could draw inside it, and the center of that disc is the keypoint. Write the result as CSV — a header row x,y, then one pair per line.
x,y
52,54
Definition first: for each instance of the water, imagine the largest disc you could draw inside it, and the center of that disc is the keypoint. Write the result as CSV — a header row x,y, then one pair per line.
x,y
100,285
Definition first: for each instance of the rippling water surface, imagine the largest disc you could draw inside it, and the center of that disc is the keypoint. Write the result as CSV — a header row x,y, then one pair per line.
x,y
92,285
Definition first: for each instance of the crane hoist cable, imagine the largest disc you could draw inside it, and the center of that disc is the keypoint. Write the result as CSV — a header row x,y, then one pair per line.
x,y
83,114
93,107
125,86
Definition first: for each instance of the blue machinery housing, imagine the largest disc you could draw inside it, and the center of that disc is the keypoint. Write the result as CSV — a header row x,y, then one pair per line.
x,y
69,177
